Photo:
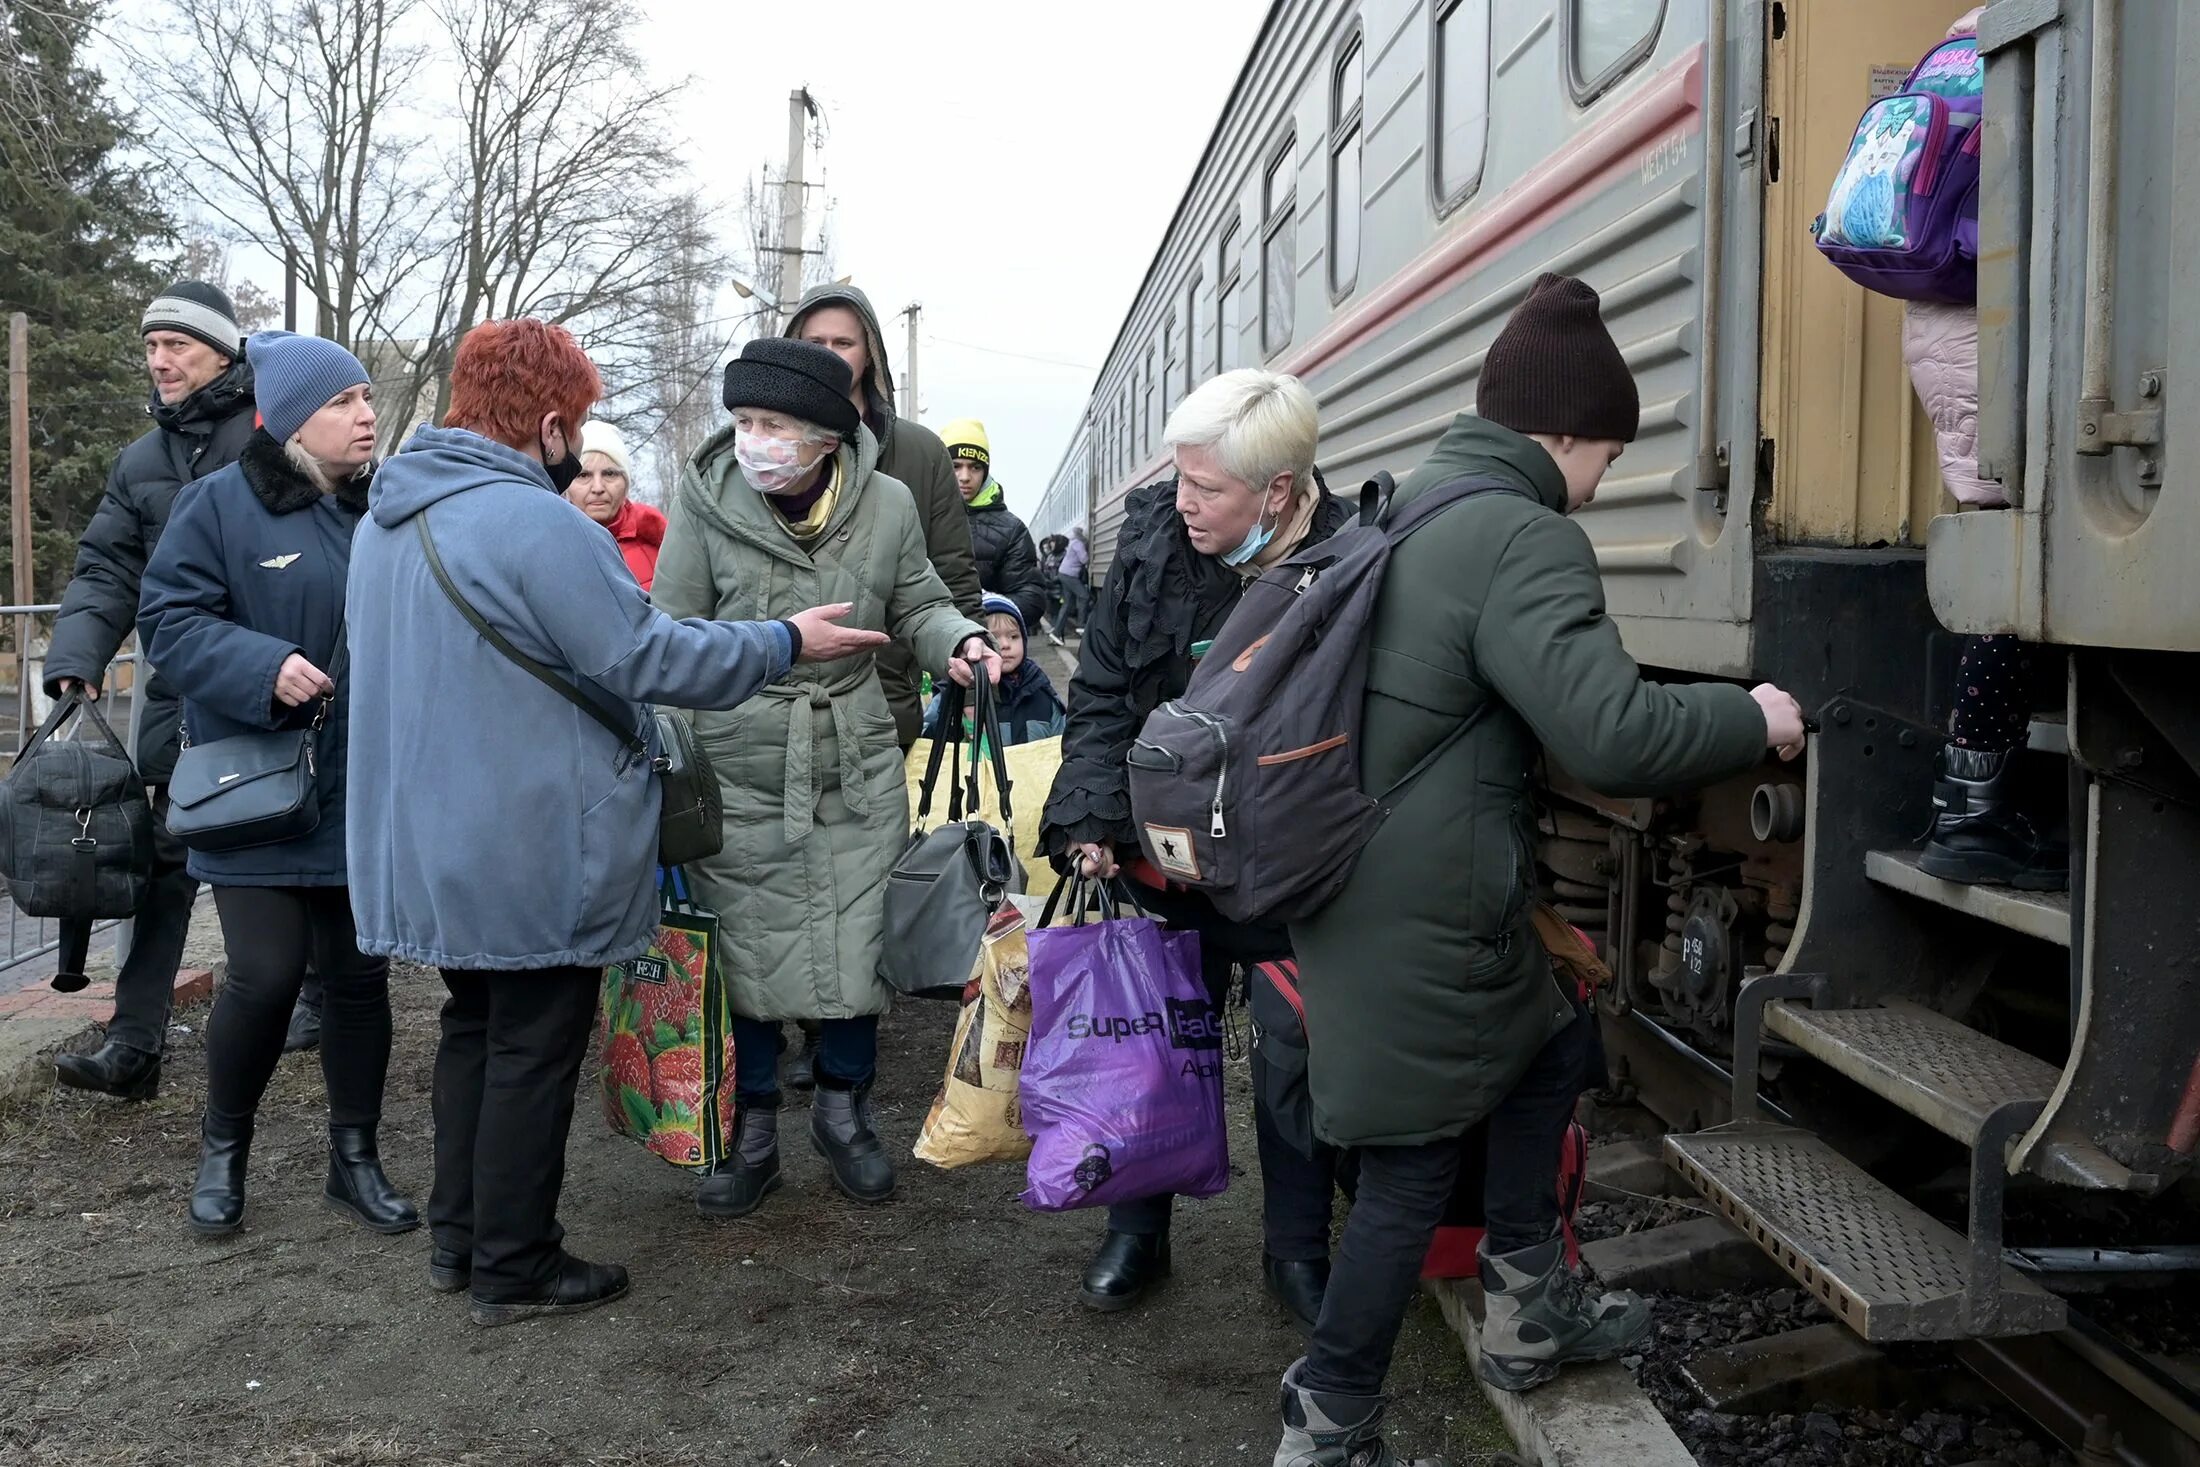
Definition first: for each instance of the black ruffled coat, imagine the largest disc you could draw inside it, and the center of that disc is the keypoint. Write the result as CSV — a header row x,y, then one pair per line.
x,y
1161,598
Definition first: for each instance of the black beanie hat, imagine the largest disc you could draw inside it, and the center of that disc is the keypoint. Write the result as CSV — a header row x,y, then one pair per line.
x,y
798,378
196,309
1555,369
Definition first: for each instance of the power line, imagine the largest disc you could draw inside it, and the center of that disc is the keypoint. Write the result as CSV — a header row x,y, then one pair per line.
x,y
994,351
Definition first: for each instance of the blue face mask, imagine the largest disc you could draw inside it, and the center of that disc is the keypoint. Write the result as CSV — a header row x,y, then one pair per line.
x,y
1255,541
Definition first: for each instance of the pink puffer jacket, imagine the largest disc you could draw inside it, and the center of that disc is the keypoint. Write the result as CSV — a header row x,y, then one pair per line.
x,y
1940,343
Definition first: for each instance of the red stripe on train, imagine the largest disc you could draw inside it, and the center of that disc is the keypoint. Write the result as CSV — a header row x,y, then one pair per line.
x,y
1671,101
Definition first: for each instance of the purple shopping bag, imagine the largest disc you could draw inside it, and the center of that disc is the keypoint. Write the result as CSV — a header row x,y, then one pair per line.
x,y
1122,1084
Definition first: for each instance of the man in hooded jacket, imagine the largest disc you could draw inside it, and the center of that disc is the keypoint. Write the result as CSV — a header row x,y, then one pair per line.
x,y
202,417
840,319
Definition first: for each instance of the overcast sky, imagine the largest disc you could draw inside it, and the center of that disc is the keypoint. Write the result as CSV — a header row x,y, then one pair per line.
x,y
1010,165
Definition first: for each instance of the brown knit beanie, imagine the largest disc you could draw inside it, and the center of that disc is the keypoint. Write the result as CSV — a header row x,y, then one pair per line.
x,y
1555,369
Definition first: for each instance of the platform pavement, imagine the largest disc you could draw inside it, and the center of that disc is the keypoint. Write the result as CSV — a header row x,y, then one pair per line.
x,y
35,1021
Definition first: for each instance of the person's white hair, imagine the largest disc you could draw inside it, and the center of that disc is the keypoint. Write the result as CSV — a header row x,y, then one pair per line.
x,y
1259,423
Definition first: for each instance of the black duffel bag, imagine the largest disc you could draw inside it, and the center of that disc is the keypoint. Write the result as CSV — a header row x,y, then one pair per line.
x,y
76,825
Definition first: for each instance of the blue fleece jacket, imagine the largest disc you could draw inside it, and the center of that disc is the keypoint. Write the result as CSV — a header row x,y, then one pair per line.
x,y
493,825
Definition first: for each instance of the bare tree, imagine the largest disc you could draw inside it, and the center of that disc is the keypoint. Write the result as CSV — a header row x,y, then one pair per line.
x,y
286,115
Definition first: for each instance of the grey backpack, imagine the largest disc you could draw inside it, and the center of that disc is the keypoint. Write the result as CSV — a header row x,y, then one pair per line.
x,y
950,881
1247,787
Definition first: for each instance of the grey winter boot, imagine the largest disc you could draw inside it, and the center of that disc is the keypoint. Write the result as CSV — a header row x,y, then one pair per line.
x,y
1325,1430
841,1132
740,1183
1541,1316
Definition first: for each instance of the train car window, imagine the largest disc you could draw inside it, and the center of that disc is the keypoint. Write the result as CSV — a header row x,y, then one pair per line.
x,y
1279,249
1230,301
1347,101
1462,92
1153,418
1191,335
1170,376
1606,39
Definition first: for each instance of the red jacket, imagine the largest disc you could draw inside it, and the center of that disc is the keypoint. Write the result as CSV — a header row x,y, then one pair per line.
x,y
640,532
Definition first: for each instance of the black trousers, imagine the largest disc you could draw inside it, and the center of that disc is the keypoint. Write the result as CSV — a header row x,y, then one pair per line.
x,y
504,1080
1403,1191
1296,1190
272,934
146,986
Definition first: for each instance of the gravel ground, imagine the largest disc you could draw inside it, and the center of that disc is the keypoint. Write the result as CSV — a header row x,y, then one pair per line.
x,y
941,1329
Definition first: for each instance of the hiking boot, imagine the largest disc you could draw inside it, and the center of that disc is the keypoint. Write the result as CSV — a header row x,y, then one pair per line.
x,y
305,1018
1125,1270
1541,1315
1298,1285
840,1130
579,1285
358,1187
217,1195
112,1069
1323,1429
740,1183
1980,837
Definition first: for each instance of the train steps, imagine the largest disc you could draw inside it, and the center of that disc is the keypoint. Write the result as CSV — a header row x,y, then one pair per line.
x,y
1886,1269
2041,914
1947,1074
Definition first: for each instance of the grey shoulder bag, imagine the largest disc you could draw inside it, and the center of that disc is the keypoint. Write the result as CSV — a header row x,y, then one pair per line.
x,y
691,823
949,882
254,789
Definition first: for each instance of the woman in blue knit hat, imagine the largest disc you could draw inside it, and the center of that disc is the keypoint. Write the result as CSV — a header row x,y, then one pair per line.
x,y
243,612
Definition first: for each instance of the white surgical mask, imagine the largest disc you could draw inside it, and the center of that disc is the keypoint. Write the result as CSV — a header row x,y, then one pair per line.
x,y
771,465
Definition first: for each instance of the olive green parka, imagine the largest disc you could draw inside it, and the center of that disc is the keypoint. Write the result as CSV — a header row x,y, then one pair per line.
x,y
810,769
1427,993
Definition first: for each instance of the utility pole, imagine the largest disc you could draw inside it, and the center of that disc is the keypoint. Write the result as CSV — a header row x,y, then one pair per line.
x,y
800,108
290,288
909,380
19,469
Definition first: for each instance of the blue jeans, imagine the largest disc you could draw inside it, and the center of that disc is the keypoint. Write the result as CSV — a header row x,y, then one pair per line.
x,y
847,1056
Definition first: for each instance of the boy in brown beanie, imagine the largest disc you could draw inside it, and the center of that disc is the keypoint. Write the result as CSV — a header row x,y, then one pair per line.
x,y
1434,1000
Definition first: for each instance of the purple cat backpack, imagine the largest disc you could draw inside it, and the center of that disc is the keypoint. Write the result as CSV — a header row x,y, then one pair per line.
x,y
1902,217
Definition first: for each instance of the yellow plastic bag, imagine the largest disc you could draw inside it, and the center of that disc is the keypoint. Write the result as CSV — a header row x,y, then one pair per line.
x,y
978,1114
1031,771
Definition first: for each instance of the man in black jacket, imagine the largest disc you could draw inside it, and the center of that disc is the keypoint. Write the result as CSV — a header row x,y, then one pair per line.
x,y
1008,563
202,414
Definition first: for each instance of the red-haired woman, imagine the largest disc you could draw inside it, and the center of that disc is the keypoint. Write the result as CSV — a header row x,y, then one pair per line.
x,y
498,830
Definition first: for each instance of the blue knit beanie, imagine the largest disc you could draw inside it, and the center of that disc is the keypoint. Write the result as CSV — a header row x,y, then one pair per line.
x,y
293,377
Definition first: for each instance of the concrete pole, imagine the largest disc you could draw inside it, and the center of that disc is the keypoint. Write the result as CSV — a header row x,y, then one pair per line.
x,y
19,459
799,108
910,400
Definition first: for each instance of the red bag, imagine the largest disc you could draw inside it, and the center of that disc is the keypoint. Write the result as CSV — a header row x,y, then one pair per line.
x,y
1459,1236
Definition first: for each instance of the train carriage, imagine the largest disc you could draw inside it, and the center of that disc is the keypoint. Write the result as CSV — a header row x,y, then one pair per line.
x,y
1387,179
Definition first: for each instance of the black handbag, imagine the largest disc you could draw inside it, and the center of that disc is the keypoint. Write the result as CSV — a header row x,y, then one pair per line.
x,y
949,882
76,824
691,823
254,789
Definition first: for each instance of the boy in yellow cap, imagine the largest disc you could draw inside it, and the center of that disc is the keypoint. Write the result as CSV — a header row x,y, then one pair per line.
x,y
1008,563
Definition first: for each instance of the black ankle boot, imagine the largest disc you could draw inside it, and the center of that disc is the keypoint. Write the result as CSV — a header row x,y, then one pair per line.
x,y
449,1270
357,1185
744,1179
1298,1284
1980,837
217,1196
840,1130
305,1019
112,1069
802,1069
578,1285
1125,1269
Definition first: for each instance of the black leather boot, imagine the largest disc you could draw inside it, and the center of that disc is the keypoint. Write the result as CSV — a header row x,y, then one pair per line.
x,y
802,1069
743,1180
217,1196
1298,1284
357,1185
449,1270
840,1130
1980,837
579,1285
112,1069
1125,1269
305,1019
